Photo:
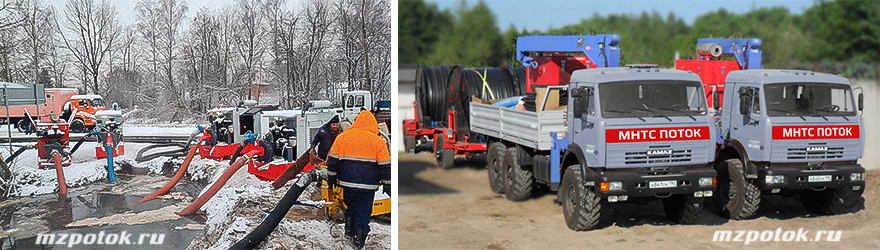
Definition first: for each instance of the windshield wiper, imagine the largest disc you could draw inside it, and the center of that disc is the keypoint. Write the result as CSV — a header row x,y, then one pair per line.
x,y
679,111
834,113
815,114
788,113
655,112
626,112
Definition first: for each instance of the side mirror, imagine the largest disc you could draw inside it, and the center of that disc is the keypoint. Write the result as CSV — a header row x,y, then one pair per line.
x,y
577,92
861,101
715,99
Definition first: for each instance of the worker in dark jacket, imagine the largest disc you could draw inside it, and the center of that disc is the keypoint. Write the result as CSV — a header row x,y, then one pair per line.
x,y
359,162
325,137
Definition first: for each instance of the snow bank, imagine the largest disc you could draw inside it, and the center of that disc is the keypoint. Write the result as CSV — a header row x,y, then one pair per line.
x,y
29,180
235,210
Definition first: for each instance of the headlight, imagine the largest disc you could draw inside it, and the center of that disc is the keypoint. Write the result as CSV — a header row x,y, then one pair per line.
x,y
706,181
855,177
774,179
615,185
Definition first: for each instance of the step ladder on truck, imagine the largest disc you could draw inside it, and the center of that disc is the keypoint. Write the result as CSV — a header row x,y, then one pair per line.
x,y
632,133
780,131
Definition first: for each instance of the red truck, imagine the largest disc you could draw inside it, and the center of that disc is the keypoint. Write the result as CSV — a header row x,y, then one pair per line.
x,y
62,101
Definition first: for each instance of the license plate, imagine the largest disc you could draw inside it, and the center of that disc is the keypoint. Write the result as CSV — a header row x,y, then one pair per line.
x,y
662,184
819,178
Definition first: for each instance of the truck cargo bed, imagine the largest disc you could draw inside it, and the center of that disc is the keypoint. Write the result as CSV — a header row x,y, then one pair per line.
x,y
526,128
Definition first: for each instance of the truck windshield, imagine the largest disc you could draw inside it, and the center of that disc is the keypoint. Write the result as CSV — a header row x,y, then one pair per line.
x,y
809,99
652,99
97,102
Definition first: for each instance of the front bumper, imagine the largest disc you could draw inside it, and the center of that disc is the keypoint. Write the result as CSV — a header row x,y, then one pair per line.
x,y
636,183
797,176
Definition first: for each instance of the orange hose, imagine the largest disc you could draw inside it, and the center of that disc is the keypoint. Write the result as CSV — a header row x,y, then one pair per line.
x,y
180,172
199,202
62,184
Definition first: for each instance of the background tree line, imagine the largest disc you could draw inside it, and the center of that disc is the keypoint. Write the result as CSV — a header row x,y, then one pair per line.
x,y
833,36
176,62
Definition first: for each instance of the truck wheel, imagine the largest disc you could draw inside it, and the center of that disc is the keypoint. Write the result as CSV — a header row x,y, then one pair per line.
x,y
580,206
77,126
830,201
519,182
409,144
445,156
737,197
494,158
683,208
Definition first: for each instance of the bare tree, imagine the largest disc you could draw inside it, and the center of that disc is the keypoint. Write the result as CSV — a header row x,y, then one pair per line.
x,y
38,27
317,23
249,41
93,29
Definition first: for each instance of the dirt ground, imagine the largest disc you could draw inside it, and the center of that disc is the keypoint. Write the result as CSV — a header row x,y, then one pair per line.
x,y
454,209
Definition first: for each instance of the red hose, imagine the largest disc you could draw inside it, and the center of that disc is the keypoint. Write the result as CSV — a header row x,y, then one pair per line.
x,y
199,202
62,184
180,172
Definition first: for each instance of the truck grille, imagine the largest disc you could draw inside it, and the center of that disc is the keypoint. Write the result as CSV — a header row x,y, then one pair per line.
x,y
801,153
643,157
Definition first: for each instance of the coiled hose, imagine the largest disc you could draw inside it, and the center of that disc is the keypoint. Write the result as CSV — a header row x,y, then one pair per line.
x,y
483,83
173,153
430,93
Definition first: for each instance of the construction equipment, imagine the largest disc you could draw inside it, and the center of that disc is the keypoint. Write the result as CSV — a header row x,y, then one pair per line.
x,y
780,131
83,108
51,101
229,127
627,133
293,130
334,200
551,64
53,138
108,130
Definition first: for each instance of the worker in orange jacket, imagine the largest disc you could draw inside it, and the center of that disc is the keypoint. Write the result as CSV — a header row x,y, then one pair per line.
x,y
359,162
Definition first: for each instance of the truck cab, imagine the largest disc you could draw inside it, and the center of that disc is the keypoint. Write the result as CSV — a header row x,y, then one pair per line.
x,y
789,130
83,108
635,132
353,101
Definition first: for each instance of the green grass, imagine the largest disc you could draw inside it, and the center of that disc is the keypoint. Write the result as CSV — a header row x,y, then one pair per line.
x,y
497,215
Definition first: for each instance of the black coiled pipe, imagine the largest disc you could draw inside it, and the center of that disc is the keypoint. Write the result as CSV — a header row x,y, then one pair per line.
x,y
431,82
483,83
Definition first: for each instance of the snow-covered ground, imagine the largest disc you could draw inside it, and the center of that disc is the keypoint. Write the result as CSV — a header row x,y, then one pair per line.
x,y
231,214
235,210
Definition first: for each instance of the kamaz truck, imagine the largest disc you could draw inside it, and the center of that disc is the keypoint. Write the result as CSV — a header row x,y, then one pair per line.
x,y
626,134
780,131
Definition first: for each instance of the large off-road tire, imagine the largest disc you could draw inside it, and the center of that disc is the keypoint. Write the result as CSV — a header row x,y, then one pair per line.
x,y
683,208
445,156
736,198
409,143
77,126
494,158
580,206
519,181
830,201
